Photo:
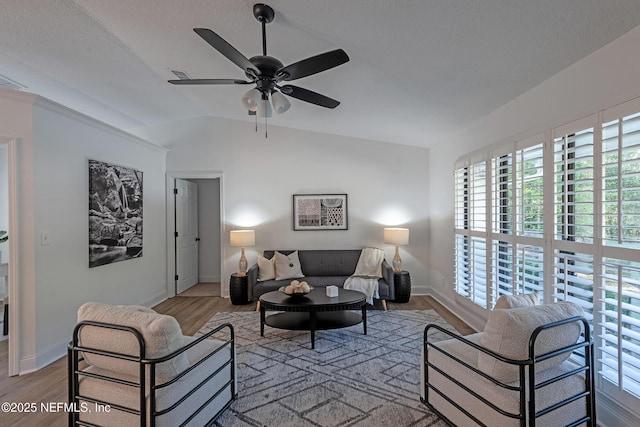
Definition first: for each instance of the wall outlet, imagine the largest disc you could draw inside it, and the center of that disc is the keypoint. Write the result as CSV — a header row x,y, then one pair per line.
x,y
44,238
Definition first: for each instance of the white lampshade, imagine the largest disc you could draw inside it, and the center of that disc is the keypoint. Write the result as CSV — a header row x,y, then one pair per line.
x,y
264,108
251,99
280,102
396,236
243,238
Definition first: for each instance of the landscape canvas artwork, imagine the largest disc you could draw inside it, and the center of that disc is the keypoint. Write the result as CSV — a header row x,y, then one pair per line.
x,y
115,213
320,212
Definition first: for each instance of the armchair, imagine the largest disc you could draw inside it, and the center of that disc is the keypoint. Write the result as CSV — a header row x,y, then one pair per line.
x,y
518,372
128,365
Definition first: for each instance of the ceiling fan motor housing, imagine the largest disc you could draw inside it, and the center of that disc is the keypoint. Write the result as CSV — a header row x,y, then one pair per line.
x,y
268,67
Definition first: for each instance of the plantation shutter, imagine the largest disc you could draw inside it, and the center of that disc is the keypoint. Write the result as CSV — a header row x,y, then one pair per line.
x,y
619,318
619,341
574,186
621,181
529,191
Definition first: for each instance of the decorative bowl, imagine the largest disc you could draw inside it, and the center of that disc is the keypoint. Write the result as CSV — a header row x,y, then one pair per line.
x,y
296,295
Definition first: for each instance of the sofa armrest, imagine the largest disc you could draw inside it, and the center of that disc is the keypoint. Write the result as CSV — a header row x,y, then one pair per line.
x,y
252,280
387,275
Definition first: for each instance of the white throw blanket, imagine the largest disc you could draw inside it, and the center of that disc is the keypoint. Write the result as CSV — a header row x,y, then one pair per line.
x,y
368,271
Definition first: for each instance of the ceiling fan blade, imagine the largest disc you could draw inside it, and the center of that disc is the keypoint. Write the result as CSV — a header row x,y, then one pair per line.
x,y
222,46
313,65
208,82
309,96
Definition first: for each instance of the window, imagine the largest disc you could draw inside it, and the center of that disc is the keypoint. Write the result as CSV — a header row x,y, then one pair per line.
x,y
506,256
583,246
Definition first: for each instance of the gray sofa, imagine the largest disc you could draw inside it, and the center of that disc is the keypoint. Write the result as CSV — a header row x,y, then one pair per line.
x,y
322,268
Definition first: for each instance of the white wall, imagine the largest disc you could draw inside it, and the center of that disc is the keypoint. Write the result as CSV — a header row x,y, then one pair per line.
x,y
387,184
54,146
607,77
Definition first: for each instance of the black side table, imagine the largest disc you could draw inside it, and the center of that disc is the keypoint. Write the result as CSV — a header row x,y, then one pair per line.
x,y
402,283
238,289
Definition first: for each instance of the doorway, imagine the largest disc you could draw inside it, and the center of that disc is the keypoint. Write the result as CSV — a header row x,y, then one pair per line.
x,y
9,249
4,246
194,229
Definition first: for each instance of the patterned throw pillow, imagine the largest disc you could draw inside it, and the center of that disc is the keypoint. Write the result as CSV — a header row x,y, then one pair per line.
x,y
288,266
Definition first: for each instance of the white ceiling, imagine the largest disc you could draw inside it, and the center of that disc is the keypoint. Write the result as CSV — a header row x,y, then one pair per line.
x,y
419,69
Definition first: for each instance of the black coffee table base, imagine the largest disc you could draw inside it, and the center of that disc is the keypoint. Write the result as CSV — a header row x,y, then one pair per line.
x,y
323,320
313,312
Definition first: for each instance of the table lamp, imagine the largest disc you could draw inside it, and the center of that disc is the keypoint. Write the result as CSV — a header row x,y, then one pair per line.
x,y
396,236
242,238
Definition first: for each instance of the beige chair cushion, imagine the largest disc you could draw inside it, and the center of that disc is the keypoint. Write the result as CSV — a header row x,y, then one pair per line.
x,y
516,301
162,335
507,333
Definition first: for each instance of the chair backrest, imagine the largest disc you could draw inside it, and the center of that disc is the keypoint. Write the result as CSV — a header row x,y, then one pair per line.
x,y
161,334
507,333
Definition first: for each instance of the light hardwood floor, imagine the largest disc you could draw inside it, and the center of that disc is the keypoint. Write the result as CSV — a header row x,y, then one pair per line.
x,y
50,383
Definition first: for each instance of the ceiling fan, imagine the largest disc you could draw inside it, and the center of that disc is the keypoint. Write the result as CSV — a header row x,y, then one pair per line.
x,y
267,72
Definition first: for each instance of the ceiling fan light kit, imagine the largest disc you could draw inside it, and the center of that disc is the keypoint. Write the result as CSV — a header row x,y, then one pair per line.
x,y
267,72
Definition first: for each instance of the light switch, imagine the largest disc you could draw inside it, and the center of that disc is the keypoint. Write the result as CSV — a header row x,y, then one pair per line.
x,y
44,238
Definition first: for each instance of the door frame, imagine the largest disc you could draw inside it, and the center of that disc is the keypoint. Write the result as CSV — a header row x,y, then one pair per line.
x,y
14,257
171,176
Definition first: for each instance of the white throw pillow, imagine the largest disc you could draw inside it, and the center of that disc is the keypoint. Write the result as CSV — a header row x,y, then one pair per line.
x,y
507,333
516,301
288,266
266,268
370,263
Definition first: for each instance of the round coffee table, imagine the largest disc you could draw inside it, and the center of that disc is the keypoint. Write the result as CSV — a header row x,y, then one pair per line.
x,y
313,311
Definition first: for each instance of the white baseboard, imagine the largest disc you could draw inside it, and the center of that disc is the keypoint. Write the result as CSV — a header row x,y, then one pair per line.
x,y
155,300
33,363
613,414
419,290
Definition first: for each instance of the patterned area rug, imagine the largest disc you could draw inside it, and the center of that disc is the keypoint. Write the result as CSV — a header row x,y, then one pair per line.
x,y
350,379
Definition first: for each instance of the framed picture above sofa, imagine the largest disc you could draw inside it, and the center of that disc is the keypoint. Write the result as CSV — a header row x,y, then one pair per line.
x,y
320,212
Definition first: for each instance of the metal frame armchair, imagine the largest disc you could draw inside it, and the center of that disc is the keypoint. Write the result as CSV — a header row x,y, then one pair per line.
x,y
544,388
121,374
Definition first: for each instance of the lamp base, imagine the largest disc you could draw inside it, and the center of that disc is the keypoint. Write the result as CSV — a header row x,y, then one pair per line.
x,y
242,265
397,261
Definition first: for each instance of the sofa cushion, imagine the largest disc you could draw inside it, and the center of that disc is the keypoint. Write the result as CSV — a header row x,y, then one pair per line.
x,y
162,335
516,301
288,266
507,333
266,268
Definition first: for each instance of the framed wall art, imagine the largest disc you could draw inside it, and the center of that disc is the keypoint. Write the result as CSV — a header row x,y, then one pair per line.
x,y
115,213
320,212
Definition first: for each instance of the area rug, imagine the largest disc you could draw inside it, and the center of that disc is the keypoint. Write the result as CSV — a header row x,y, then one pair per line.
x,y
349,379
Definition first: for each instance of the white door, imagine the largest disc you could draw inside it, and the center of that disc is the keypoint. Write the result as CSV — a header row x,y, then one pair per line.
x,y
186,197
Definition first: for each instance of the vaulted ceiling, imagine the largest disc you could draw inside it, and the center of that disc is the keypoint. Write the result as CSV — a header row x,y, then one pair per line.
x,y
419,69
